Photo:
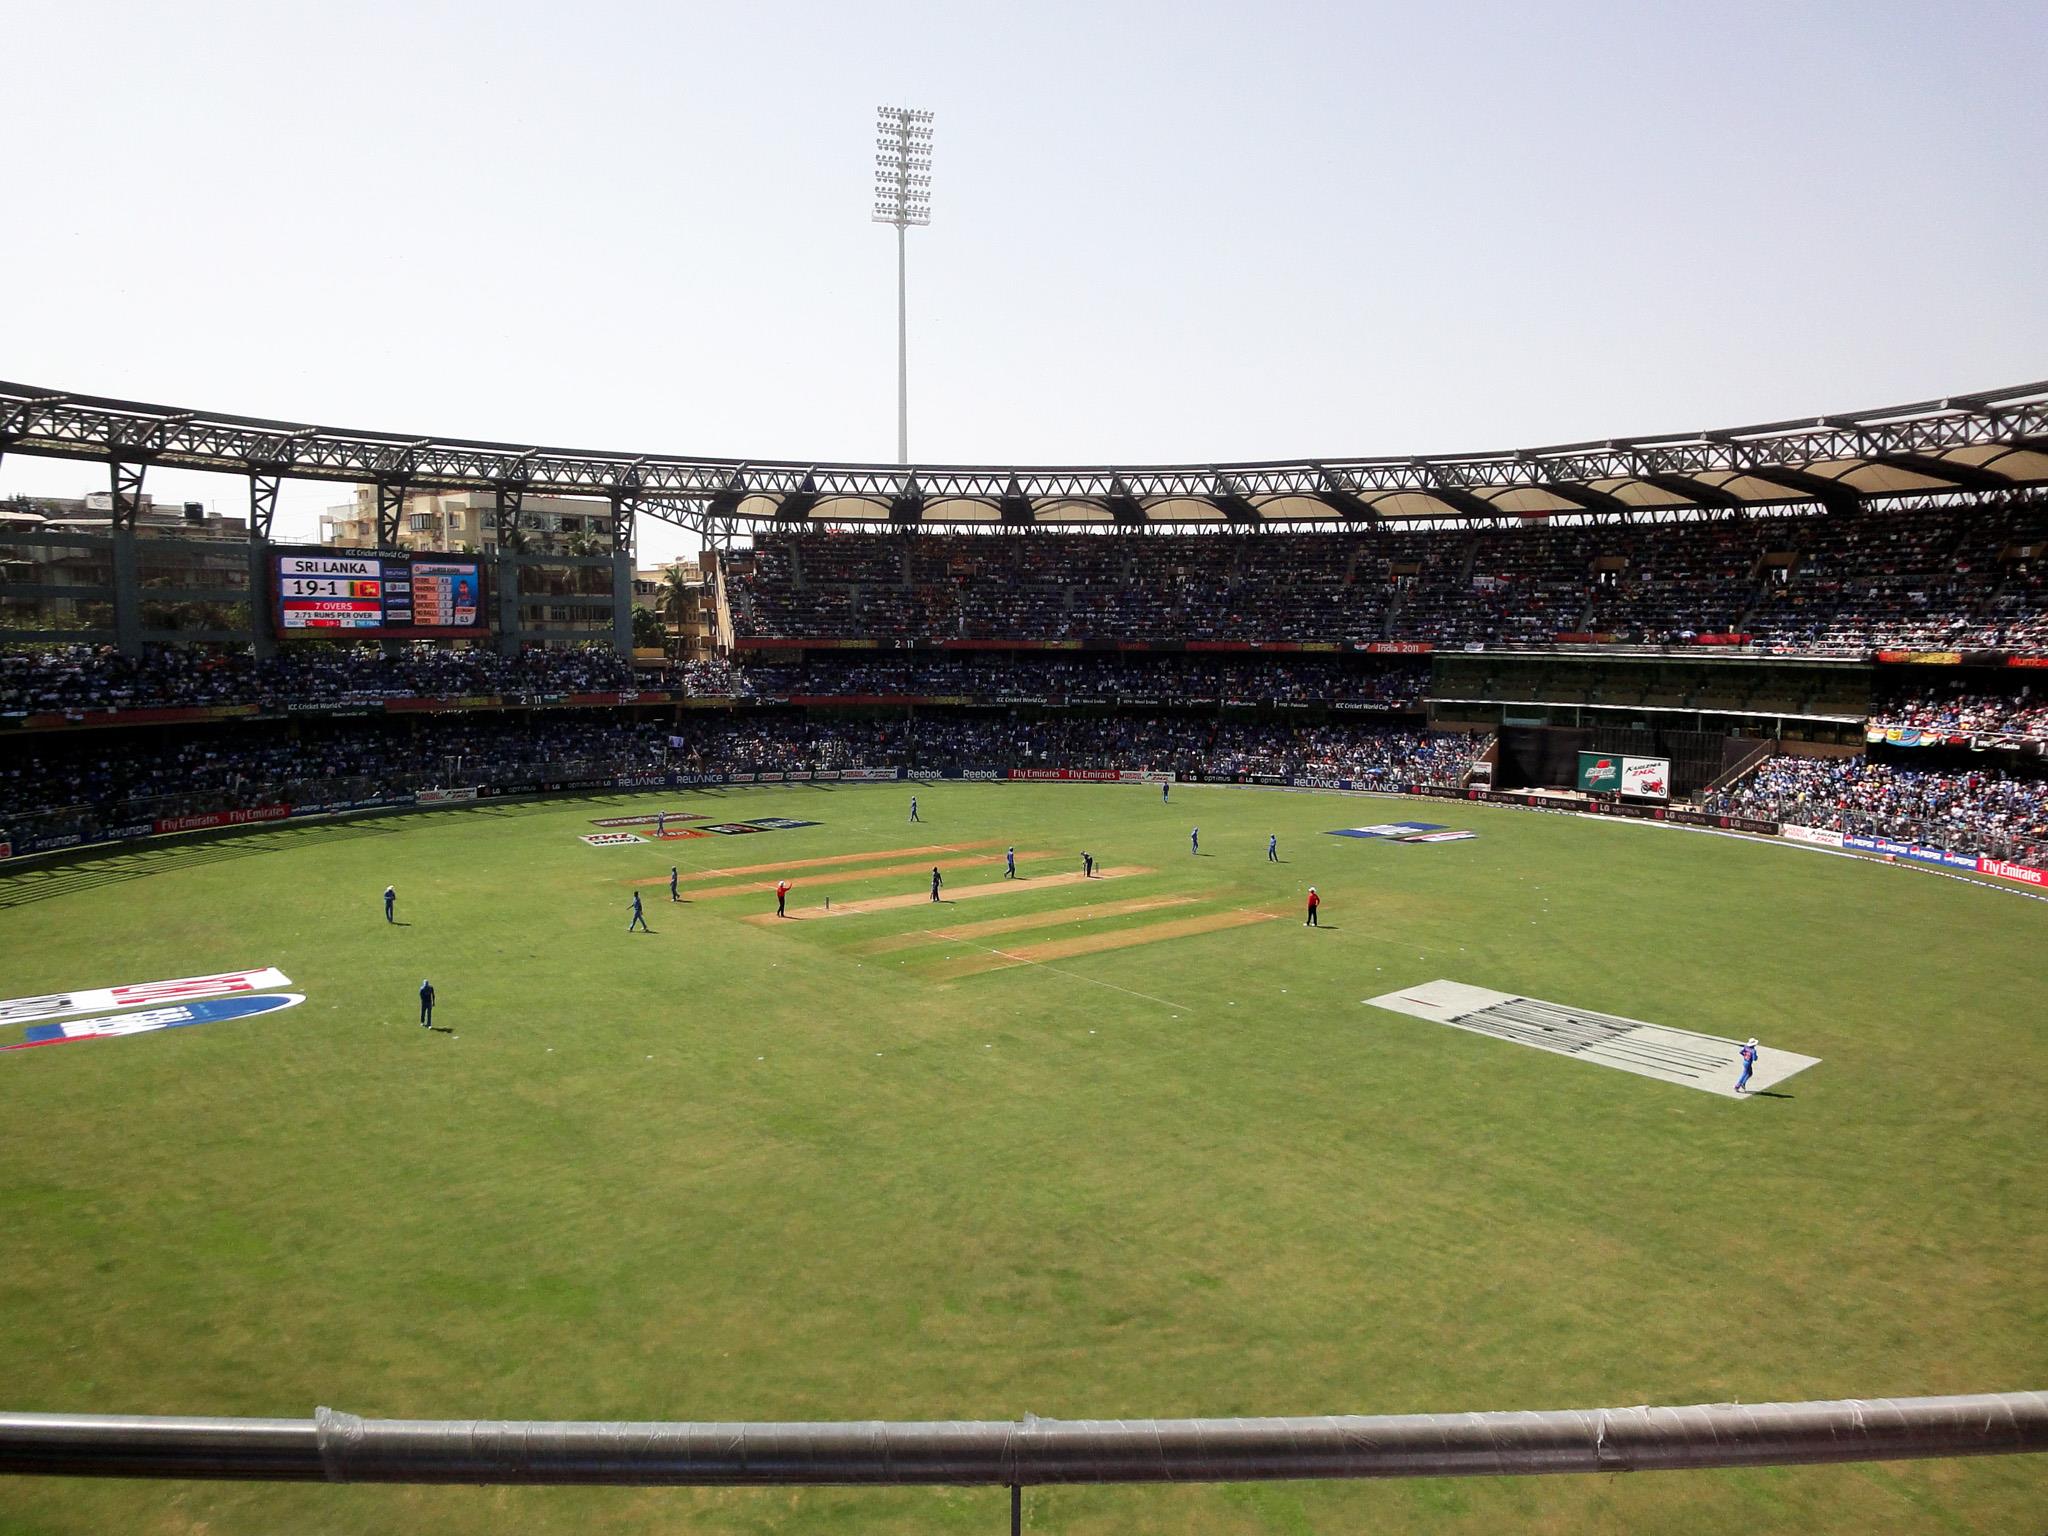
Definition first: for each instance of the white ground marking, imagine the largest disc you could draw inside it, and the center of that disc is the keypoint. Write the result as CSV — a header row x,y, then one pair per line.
x,y
1682,1056
1077,976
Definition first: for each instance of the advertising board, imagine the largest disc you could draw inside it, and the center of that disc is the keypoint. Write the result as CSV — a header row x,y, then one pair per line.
x,y
319,592
1820,837
1648,777
1599,773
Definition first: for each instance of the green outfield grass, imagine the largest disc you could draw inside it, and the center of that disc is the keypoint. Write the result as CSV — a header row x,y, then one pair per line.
x,y
826,1169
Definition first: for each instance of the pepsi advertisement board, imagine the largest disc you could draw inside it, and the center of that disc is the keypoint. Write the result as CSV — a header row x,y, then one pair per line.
x,y
338,594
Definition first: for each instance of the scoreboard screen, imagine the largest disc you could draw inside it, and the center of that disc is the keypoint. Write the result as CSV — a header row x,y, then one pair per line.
x,y
329,593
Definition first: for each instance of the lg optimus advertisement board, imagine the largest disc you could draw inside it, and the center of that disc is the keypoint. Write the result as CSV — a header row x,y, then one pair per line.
x,y
342,594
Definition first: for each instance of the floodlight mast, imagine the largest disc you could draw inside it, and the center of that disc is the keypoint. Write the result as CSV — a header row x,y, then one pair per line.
x,y
903,197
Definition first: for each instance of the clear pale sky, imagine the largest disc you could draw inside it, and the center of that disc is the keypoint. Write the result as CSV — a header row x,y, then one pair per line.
x,y
1171,231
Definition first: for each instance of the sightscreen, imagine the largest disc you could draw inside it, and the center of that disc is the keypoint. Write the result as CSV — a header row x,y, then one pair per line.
x,y
337,593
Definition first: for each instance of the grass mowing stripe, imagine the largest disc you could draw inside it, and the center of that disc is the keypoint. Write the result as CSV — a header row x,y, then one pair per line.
x,y
1099,943
956,893
849,876
990,927
827,862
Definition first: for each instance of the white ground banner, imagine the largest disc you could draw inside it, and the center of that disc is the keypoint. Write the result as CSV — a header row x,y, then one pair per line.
x,y
1680,1056
1820,837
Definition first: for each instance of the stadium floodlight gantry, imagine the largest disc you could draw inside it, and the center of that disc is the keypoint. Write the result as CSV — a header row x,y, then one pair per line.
x,y
1971,446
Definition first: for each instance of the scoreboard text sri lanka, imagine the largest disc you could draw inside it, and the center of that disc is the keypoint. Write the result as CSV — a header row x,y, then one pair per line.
x,y
371,596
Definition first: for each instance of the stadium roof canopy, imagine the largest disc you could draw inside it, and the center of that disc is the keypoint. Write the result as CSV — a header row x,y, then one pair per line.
x,y
1975,445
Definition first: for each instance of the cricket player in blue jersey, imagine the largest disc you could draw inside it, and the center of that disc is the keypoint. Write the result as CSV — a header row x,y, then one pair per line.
x,y
639,918
426,1005
1748,1065
1272,847
1195,841
913,808
1010,865
1165,793
673,893
937,881
390,902
661,823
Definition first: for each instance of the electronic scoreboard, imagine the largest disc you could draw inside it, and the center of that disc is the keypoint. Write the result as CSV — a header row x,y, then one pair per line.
x,y
335,593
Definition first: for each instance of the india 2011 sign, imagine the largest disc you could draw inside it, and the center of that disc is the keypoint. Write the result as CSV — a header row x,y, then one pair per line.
x,y
206,1011
60,1005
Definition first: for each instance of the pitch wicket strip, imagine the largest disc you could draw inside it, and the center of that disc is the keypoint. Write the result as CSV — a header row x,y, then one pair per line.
x,y
1098,943
867,872
957,893
995,925
787,865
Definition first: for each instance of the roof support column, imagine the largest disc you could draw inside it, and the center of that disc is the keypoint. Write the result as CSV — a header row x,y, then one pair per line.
x,y
390,507
508,509
508,503
263,487
125,482
625,507
127,591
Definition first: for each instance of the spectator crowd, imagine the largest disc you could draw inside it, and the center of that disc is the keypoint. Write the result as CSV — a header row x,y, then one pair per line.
x,y
1957,708
1973,811
995,676
85,677
92,781
77,678
1921,578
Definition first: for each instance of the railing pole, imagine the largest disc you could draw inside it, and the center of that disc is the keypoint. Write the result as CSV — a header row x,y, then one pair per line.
x,y
342,1448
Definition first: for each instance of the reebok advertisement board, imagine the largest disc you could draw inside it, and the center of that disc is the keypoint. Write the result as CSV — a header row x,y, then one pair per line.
x,y
327,593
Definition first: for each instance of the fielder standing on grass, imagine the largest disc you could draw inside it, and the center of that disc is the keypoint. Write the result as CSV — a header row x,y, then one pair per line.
x,y
1010,865
1195,841
673,893
1314,902
661,823
937,881
1748,1054
390,902
426,1005
1272,847
639,918
913,808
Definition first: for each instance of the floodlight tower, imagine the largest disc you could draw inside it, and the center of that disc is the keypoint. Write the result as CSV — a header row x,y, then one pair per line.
x,y
903,197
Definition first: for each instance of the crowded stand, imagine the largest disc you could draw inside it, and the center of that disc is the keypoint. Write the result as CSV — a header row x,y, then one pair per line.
x,y
81,678
1262,654
88,785
997,677
85,677
1917,578
1958,708
1973,811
